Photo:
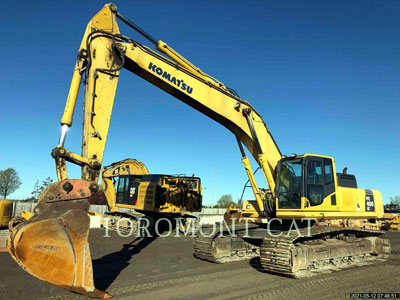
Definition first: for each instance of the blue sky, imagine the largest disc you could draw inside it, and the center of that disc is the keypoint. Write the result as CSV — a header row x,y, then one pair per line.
x,y
323,74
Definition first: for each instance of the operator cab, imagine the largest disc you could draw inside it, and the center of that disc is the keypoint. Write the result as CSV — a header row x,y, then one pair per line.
x,y
308,176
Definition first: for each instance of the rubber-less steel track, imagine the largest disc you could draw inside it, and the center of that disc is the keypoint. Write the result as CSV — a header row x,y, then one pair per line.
x,y
202,246
123,227
279,254
211,246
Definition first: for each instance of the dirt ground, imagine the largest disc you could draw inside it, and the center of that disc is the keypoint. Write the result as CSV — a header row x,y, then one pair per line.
x,y
164,268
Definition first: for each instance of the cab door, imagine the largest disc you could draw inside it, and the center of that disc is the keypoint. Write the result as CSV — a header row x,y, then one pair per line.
x,y
126,189
122,189
319,184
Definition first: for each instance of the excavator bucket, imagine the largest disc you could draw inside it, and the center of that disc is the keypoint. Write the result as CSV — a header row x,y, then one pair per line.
x,y
233,215
53,244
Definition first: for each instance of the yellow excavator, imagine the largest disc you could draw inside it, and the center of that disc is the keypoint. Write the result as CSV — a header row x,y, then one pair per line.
x,y
340,231
131,192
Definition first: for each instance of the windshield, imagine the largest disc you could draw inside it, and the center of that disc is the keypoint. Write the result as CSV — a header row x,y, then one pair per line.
x,y
289,184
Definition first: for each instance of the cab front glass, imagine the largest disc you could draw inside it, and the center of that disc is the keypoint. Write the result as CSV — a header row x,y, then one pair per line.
x,y
289,184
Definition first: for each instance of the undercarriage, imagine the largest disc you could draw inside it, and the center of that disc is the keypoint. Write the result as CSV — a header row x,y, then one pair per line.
x,y
296,253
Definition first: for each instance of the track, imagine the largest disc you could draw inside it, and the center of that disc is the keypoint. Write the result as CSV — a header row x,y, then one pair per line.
x,y
212,246
349,249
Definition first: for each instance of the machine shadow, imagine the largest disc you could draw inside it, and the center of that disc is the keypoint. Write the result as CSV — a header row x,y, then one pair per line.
x,y
255,263
107,268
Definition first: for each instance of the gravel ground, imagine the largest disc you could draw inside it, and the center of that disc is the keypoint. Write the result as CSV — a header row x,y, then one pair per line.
x,y
164,268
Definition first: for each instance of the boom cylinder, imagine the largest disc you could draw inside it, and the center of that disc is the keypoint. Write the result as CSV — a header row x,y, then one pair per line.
x,y
262,159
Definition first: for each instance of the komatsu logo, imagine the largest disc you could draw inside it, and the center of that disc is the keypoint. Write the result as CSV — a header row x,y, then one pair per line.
x,y
178,82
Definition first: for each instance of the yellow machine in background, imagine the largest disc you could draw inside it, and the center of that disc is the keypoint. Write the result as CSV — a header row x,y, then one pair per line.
x,y
395,223
26,214
5,212
299,186
391,217
131,192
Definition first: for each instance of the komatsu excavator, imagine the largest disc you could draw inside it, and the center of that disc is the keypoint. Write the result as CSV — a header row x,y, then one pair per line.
x,y
53,245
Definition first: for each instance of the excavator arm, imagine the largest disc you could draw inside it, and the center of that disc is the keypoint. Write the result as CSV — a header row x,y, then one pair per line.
x,y
98,63
52,245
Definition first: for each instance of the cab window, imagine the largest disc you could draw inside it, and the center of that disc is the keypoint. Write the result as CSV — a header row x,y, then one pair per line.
x,y
289,184
328,171
315,187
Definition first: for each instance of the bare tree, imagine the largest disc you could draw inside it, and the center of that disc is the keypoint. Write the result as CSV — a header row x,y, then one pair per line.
x,y
36,192
9,182
38,189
